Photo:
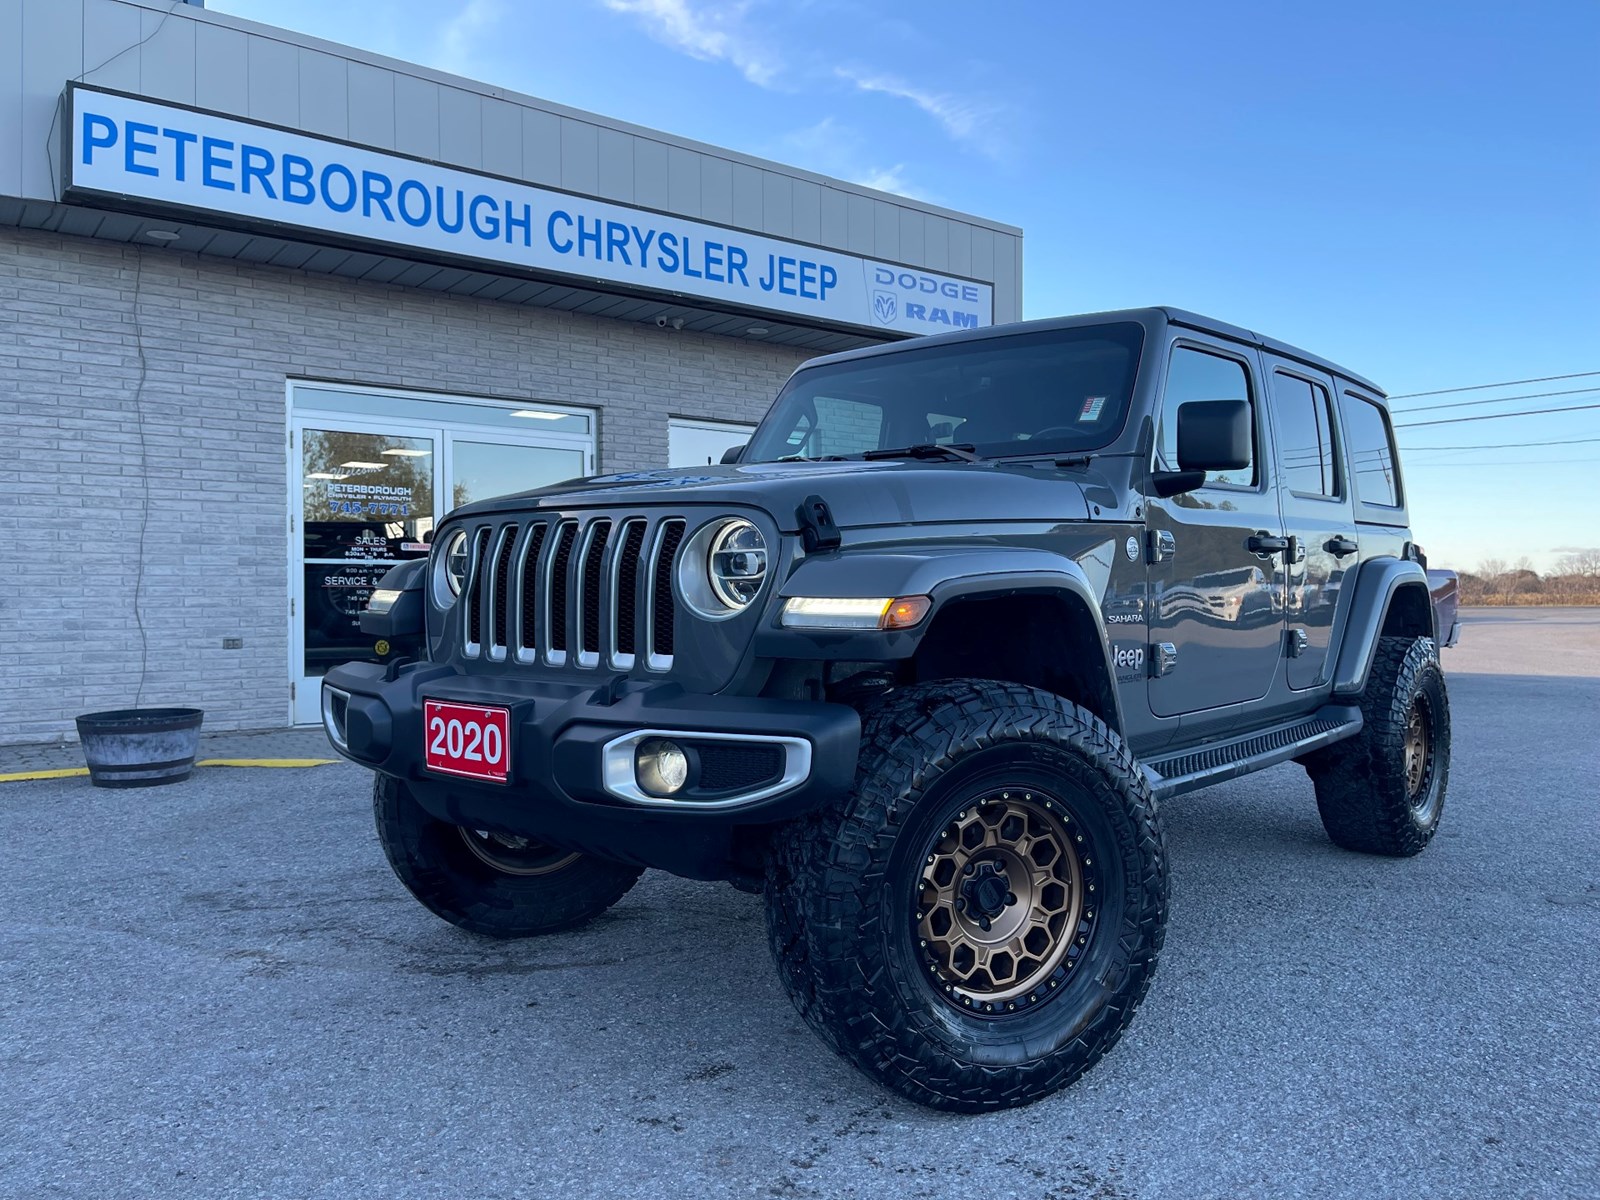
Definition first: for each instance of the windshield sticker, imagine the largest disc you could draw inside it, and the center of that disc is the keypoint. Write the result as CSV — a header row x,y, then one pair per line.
x,y
1091,408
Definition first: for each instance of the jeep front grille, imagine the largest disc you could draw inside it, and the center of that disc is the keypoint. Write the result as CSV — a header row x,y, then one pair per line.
x,y
591,593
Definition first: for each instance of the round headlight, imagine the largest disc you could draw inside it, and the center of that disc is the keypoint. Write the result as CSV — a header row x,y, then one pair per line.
x,y
736,563
450,568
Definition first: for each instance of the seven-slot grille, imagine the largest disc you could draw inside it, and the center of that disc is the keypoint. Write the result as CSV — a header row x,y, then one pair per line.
x,y
580,592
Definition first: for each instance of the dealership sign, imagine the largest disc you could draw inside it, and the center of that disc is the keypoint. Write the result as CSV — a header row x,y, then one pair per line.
x,y
124,148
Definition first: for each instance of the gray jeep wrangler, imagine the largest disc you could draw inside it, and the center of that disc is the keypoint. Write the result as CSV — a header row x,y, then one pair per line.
x,y
918,663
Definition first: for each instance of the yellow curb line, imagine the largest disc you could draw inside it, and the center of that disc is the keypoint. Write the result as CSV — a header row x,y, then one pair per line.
x,y
265,762
69,772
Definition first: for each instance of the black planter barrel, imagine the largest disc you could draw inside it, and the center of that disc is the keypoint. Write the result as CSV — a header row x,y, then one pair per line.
x,y
140,747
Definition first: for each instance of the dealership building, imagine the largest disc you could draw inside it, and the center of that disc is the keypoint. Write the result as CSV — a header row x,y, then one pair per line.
x,y
270,307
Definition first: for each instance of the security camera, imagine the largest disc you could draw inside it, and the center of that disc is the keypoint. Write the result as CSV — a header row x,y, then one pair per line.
x,y
677,323
661,322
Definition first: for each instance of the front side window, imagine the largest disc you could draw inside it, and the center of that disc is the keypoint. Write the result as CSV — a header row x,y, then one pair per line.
x,y
1371,452
1196,375
1305,436
1052,392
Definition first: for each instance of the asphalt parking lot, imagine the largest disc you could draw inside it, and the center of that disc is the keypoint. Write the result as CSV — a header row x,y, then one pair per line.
x,y
219,989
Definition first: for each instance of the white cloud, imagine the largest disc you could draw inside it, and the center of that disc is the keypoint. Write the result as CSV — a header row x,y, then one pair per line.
x,y
709,32
460,35
969,121
834,149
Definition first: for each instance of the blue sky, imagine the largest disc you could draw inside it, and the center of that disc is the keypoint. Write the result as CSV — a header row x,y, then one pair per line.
x,y
1412,189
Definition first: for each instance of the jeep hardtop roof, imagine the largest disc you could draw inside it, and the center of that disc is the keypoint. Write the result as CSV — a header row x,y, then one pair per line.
x,y
1156,315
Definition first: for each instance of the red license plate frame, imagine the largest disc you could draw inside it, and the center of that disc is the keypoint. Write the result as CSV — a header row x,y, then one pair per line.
x,y
470,741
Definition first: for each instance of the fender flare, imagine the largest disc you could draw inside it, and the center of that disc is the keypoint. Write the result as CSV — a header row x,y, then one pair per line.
x,y
1378,581
947,574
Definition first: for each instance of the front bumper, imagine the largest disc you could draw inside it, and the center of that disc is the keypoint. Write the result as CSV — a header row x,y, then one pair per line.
x,y
557,789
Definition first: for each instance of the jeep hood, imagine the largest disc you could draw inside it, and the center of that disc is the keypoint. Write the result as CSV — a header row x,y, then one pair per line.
x,y
890,492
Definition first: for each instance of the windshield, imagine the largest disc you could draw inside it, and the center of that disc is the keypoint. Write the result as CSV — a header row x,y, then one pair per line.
x,y
1056,391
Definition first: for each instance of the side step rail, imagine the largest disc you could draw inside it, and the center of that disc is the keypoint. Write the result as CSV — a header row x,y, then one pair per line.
x,y
1202,766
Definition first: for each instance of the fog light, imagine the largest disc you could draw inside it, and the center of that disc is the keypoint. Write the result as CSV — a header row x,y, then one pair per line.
x,y
661,767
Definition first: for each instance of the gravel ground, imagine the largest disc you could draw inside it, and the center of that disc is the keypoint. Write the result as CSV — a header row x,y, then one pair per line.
x,y
219,989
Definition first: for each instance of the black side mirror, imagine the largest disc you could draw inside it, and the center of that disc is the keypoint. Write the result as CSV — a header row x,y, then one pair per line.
x,y
1214,435
732,453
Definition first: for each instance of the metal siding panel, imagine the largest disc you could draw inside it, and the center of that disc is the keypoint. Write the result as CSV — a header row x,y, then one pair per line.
x,y
936,243
777,204
10,97
1006,307
886,230
221,69
614,165
53,35
416,116
652,185
835,218
863,226
167,62
960,248
913,237
461,128
698,185
108,30
983,241
274,82
746,196
807,211
580,156
502,138
371,96
541,146
324,94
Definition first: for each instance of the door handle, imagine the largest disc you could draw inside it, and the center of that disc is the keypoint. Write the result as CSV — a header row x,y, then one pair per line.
x,y
1340,546
1262,543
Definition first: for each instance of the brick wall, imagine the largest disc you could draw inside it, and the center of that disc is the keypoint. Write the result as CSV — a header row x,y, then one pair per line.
x,y
219,340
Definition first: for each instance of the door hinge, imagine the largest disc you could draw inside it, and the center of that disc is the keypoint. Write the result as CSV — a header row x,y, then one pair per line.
x,y
1160,545
1163,659
1299,639
291,606
291,689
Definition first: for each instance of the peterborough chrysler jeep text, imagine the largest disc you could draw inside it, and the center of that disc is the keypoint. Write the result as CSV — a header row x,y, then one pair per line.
x,y
919,662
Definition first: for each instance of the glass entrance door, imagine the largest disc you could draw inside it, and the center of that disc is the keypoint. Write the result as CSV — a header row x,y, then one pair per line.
x,y
372,471
368,498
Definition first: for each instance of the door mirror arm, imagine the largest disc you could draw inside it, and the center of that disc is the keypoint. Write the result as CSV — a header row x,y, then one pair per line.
x,y
1174,483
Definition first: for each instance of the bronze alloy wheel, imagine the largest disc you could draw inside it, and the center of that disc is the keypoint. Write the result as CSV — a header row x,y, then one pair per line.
x,y
515,855
1005,902
1419,742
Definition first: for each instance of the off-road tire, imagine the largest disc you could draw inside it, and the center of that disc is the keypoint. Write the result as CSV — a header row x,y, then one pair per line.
x,y
841,895
435,862
1363,792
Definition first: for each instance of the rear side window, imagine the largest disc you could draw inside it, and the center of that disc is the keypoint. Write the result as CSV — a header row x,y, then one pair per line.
x,y
1305,436
1366,428
1196,375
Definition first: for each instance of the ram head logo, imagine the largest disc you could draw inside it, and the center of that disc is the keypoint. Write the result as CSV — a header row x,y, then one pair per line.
x,y
883,307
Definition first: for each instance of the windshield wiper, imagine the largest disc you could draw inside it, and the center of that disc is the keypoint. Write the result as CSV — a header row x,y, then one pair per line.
x,y
959,452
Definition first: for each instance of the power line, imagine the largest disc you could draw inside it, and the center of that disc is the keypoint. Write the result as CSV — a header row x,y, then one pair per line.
x,y
1532,412
1511,462
1505,445
1481,387
1406,412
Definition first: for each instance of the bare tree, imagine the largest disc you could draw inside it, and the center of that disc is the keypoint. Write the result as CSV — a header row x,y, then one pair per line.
x,y
1585,563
